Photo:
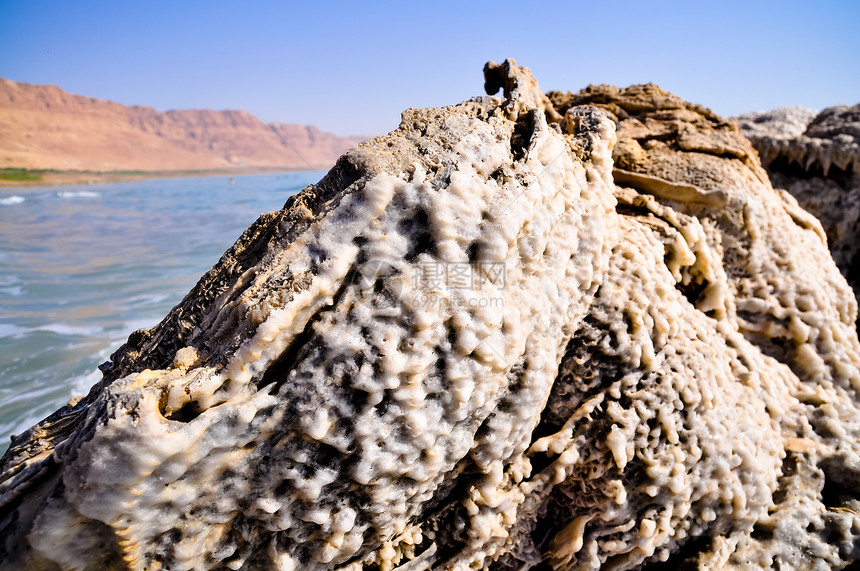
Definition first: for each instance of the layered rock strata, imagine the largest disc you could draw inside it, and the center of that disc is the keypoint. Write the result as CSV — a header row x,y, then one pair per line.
x,y
816,157
564,330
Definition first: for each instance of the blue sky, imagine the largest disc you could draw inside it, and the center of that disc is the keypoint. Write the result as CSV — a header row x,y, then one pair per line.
x,y
351,68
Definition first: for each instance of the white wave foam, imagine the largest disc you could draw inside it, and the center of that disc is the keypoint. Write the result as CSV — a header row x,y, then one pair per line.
x,y
10,330
10,200
82,384
65,329
78,194
14,291
31,394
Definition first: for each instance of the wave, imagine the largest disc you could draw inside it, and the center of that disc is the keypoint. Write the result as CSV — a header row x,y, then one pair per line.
x,y
78,194
10,200
12,330
14,291
8,279
81,385
45,399
146,298
65,329
113,334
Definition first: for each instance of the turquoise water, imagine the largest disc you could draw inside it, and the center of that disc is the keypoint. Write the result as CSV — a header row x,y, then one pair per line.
x,y
82,266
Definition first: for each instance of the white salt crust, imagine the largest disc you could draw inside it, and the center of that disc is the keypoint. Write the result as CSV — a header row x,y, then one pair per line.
x,y
420,425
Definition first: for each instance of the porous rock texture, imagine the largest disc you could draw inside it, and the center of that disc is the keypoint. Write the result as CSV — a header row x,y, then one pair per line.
x,y
564,330
816,157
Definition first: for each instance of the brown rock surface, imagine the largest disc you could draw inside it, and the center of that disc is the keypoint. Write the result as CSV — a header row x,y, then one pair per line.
x,y
568,331
44,127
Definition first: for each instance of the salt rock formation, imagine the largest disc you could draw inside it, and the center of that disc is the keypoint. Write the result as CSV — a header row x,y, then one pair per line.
x,y
816,157
567,331
787,122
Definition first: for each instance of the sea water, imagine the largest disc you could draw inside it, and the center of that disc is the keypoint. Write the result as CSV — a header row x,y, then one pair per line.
x,y
83,266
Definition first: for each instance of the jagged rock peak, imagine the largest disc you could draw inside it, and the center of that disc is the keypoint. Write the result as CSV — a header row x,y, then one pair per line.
x,y
787,122
817,160
569,330
828,139
841,122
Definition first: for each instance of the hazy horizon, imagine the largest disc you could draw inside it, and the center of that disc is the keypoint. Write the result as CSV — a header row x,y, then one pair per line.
x,y
351,69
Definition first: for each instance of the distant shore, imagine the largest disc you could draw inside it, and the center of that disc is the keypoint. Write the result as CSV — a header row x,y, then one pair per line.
x,y
16,177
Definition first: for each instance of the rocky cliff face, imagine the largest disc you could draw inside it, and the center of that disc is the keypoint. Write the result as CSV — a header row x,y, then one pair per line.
x,y
816,157
564,330
44,127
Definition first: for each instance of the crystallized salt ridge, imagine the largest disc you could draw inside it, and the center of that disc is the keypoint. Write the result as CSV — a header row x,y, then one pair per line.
x,y
819,165
514,332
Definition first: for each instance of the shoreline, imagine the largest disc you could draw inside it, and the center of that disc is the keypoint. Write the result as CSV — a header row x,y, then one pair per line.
x,y
60,177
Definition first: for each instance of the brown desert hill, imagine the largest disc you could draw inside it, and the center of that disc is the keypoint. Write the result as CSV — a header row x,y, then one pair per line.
x,y
45,127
